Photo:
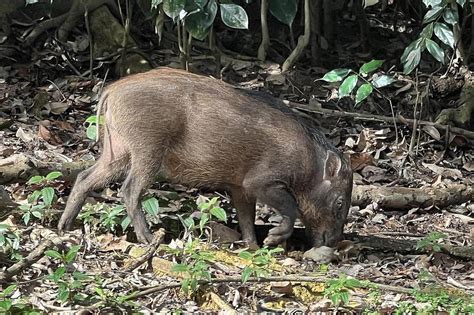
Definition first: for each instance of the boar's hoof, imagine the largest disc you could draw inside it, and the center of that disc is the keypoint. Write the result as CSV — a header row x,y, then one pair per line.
x,y
273,239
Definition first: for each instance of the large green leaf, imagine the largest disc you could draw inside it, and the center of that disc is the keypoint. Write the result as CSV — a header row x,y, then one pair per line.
x,y
451,16
442,31
461,2
335,75
433,14
382,80
234,16
412,60
435,50
370,66
283,10
363,92
172,8
432,3
348,85
198,23
418,44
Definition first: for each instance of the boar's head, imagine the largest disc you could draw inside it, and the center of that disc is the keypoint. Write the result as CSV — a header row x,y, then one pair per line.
x,y
324,210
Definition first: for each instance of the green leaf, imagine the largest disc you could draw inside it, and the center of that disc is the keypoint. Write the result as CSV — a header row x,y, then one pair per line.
x,y
48,195
189,223
80,276
283,10
58,273
442,31
6,305
63,295
344,297
203,221
35,180
335,75
91,132
245,255
219,213
234,16
72,252
413,59
172,8
4,228
348,85
432,3
9,290
151,206
433,14
370,66
435,50
382,80
53,175
417,44
125,223
363,92
180,268
427,31
461,2
37,214
34,196
91,119
451,16
198,23
246,273
26,218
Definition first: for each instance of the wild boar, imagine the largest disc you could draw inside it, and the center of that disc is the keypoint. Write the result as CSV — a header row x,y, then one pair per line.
x,y
202,132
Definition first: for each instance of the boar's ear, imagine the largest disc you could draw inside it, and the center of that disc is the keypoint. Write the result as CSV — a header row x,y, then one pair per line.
x,y
332,165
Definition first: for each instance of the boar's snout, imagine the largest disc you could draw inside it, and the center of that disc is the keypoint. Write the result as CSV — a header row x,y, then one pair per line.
x,y
325,213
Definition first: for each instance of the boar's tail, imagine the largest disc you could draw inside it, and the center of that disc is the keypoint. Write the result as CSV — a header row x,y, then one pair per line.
x,y
102,103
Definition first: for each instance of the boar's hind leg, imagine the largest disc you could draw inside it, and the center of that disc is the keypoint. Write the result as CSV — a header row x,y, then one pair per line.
x,y
246,214
95,177
276,196
141,175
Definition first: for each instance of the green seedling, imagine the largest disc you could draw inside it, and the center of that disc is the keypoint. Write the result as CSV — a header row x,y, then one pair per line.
x,y
260,262
431,242
338,290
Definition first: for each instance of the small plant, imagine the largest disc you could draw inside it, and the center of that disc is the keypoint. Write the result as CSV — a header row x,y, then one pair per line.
x,y
40,200
438,298
351,78
69,284
194,266
260,261
108,217
338,289
405,307
208,209
109,299
10,306
431,242
9,241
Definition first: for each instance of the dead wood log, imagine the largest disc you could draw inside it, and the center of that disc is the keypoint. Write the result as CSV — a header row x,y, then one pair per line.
x,y
21,167
406,246
402,198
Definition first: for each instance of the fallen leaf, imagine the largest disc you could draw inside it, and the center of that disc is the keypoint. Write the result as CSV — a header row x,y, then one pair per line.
x,y
320,255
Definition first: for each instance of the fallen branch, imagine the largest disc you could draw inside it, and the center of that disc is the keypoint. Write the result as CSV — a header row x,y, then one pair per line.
x,y
399,119
159,237
159,288
32,257
402,198
21,167
408,246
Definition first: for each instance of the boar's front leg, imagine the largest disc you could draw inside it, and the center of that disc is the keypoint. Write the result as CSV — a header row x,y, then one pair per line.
x,y
275,195
246,214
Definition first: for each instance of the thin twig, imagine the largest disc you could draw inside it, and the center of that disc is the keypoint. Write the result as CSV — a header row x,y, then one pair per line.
x,y
159,236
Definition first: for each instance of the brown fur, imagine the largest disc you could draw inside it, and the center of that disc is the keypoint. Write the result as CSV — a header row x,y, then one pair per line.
x,y
202,132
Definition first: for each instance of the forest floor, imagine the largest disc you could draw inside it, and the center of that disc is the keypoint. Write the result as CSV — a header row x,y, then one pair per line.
x,y
100,266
